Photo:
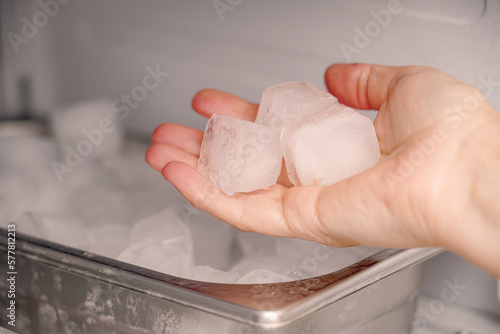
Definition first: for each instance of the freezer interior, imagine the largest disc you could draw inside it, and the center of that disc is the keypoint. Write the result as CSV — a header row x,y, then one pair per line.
x,y
138,64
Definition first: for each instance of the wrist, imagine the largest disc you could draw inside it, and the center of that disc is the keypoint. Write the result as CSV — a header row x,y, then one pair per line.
x,y
475,233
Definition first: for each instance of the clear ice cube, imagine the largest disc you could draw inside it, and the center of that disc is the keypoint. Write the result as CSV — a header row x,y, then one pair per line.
x,y
292,247
239,156
255,244
58,228
209,274
161,242
213,240
278,264
328,146
167,226
159,255
287,102
18,193
262,276
111,237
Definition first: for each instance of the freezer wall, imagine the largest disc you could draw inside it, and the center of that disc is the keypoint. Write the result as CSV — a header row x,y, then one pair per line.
x,y
87,49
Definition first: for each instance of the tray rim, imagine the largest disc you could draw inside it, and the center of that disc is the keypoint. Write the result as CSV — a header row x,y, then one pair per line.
x,y
232,301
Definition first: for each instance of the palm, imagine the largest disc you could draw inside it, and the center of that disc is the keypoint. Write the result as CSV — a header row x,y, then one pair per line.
x,y
366,209
176,143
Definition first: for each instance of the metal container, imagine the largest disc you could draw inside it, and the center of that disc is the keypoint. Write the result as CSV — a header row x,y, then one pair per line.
x,y
65,290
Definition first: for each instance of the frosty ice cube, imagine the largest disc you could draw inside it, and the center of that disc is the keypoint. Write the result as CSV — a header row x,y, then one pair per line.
x,y
295,248
277,264
262,276
326,147
255,244
239,156
58,228
213,240
209,274
111,237
286,102
167,226
159,255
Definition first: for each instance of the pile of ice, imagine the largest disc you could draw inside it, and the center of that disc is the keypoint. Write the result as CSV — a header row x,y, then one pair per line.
x,y
321,141
186,242
81,190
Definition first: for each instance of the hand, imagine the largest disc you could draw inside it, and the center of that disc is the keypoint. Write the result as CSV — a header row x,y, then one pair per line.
x,y
436,183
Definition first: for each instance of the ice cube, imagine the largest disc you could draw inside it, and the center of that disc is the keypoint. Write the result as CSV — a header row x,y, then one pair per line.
x,y
111,237
287,102
58,228
209,274
292,247
18,193
262,276
326,147
28,224
239,156
213,240
314,259
27,181
167,226
152,198
88,129
278,264
255,244
159,255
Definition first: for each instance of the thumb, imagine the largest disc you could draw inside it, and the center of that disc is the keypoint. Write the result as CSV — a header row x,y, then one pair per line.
x,y
364,86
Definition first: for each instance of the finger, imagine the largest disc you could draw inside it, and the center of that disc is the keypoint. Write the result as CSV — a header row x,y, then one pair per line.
x,y
409,99
256,212
364,86
334,215
180,136
158,155
210,101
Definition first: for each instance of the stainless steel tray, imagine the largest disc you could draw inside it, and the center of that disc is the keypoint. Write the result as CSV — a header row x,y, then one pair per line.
x,y
66,290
